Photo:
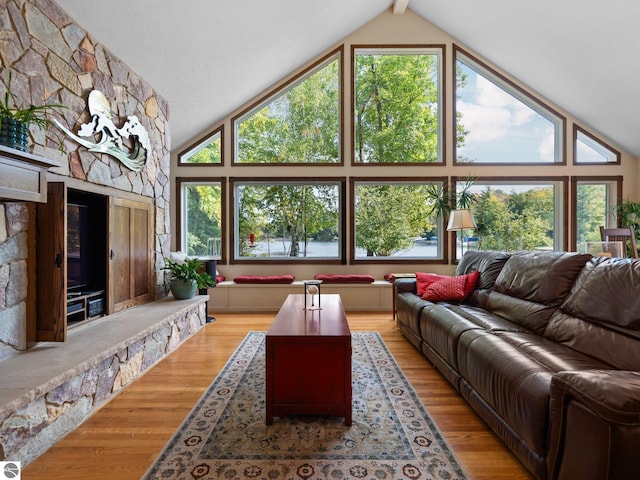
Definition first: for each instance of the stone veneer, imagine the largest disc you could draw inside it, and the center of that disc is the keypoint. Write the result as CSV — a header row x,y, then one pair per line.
x,y
13,274
42,414
53,60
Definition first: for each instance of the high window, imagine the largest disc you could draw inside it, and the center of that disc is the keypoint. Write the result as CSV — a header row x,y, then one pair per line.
x,y
204,152
522,214
200,207
299,124
397,105
594,201
498,122
393,220
591,150
290,219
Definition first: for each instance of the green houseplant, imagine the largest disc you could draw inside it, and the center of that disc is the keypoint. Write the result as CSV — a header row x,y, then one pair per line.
x,y
628,215
15,118
444,200
186,277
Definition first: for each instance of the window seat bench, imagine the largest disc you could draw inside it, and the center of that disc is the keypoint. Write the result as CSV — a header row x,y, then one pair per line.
x,y
229,296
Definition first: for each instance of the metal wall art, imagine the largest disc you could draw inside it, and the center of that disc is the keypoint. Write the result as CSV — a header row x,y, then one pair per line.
x,y
111,138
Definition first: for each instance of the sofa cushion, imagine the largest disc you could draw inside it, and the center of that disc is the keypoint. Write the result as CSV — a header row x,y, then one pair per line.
x,y
441,327
489,264
607,293
512,371
532,285
601,315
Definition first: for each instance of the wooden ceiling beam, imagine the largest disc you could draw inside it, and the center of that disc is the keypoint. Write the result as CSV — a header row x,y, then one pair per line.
x,y
400,6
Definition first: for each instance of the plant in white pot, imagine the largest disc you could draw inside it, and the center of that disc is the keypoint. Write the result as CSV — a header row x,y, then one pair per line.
x,y
186,277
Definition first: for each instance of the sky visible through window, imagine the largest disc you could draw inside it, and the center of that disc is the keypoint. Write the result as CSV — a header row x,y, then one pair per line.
x,y
500,128
589,150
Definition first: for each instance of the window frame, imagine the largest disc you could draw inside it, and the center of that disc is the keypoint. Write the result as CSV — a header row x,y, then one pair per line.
x,y
181,231
340,182
577,130
440,50
442,238
280,90
198,145
522,95
612,203
560,197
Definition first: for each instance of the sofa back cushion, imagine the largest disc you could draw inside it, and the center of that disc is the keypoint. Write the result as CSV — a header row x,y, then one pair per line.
x,y
489,263
607,292
532,285
601,315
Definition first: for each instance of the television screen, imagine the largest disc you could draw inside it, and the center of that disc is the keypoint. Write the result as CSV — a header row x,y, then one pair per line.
x,y
77,237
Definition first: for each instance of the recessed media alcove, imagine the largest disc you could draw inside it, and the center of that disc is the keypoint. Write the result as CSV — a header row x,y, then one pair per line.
x,y
86,233
94,255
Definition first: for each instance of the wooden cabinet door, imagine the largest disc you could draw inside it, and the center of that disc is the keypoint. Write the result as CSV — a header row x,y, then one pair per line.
x,y
51,265
130,248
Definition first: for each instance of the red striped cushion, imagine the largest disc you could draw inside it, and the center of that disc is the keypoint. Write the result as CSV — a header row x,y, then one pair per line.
x,y
264,279
348,278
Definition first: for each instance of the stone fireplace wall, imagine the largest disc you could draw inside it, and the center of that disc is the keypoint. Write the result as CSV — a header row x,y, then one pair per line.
x,y
53,60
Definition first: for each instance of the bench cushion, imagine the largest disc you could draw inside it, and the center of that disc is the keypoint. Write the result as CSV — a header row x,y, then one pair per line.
x,y
340,278
264,279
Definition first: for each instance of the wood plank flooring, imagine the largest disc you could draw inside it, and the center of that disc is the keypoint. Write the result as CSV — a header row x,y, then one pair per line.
x,y
123,438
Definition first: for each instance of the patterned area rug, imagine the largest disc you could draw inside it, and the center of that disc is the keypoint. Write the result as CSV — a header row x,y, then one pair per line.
x,y
225,436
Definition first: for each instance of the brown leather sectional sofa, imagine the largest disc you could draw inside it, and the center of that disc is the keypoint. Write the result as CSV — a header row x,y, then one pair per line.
x,y
547,351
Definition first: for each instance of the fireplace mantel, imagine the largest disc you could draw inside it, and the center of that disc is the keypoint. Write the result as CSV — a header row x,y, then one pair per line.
x,y
23,175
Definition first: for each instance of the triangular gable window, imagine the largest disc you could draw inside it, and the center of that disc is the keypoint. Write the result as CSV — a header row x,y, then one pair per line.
x,y
498,122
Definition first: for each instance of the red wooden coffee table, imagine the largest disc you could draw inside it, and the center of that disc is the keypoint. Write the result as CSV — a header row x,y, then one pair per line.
x,y
308,360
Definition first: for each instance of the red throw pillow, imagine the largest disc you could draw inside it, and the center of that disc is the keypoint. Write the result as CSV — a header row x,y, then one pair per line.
x,y
451,288
423,280
470,284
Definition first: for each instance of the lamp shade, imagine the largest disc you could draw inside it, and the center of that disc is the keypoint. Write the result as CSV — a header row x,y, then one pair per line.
x,y
461,219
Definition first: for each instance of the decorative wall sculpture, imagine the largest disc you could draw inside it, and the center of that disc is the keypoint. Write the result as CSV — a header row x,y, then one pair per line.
x,y
111,137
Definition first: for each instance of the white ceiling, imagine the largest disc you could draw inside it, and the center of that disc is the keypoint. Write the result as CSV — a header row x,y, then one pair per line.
x,y
207,57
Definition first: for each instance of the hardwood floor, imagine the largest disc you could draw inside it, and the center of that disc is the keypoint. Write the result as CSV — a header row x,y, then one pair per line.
x,y
123,438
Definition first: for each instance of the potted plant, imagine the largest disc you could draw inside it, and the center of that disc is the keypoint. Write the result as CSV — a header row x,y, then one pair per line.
x,y
444,200
186,277
15,118
628,214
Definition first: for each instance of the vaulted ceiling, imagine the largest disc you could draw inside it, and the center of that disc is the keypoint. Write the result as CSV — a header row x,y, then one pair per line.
x,y
208,57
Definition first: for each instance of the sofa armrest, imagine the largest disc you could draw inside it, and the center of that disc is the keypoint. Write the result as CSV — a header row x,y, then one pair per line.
x,y
614,395
594,425
406,285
